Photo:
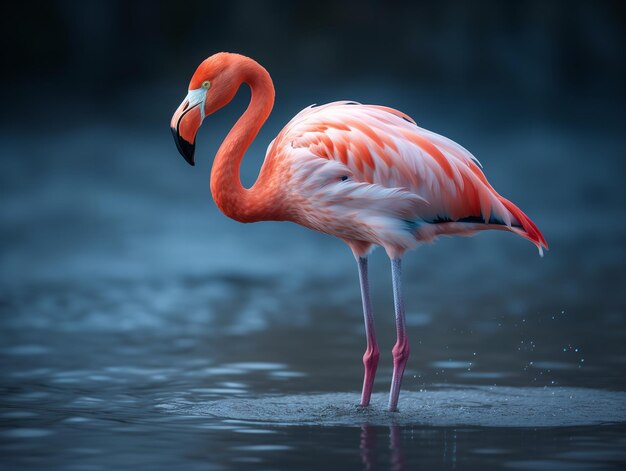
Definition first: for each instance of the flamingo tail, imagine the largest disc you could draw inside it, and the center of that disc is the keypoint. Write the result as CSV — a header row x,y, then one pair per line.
x,y
528,229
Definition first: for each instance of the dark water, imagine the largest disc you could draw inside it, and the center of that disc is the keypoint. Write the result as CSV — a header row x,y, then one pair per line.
x,y
141,329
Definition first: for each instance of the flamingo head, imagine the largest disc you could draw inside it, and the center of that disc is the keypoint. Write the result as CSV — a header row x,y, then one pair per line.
x,y
212,86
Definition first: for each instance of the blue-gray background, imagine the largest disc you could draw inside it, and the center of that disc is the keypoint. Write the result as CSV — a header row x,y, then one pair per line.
x,y
111,242
92,187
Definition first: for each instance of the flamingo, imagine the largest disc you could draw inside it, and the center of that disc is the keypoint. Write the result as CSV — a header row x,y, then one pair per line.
x,y
366,174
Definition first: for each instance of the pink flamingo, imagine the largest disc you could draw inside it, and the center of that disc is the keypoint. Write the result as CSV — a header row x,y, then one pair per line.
x,y
364,173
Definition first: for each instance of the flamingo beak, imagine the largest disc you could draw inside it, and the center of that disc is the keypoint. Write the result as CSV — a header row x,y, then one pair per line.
x,y
186,121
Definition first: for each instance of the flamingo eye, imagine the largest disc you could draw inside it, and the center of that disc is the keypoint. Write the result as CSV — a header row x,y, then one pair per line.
x,y
206,84
344,178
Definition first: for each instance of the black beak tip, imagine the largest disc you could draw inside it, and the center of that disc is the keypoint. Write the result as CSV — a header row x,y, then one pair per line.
x,y
186,149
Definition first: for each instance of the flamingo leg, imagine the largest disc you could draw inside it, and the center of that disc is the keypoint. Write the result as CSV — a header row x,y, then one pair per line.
x,y
370,358
401,349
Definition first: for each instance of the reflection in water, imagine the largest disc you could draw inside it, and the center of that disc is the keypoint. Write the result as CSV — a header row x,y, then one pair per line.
x,y
368,448
395,445
449,448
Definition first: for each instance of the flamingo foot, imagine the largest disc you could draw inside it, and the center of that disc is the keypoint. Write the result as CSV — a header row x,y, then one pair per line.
x,y
401,351
370,361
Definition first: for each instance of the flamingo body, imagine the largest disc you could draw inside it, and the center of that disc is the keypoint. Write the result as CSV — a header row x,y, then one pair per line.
x,y
366,174
369,174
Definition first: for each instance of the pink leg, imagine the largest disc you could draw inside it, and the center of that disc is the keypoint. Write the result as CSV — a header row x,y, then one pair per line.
x,y
401,349
370,358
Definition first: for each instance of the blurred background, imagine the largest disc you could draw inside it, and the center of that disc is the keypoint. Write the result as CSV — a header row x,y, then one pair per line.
x,y
534,89
122,286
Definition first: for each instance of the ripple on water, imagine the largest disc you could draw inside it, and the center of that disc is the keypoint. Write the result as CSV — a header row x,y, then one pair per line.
x,y
232,384
254,431
77,420
29,396
483,374
247,459
452,365
556,465
287,374
26,350
553,365
217,371
218,391
258,366
18,414
491,451
33,373
26,433
262,448
486,406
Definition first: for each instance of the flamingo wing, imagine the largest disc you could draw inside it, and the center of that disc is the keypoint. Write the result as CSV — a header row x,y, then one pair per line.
x,y
376,161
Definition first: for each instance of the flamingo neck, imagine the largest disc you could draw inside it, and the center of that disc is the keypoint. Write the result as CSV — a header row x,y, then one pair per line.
x,y
239,203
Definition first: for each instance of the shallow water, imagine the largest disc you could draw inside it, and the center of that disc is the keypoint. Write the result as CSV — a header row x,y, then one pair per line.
x,y
447,406
140,329
110,376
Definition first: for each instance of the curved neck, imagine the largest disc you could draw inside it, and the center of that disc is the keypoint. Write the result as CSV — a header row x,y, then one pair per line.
x,y
235,201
